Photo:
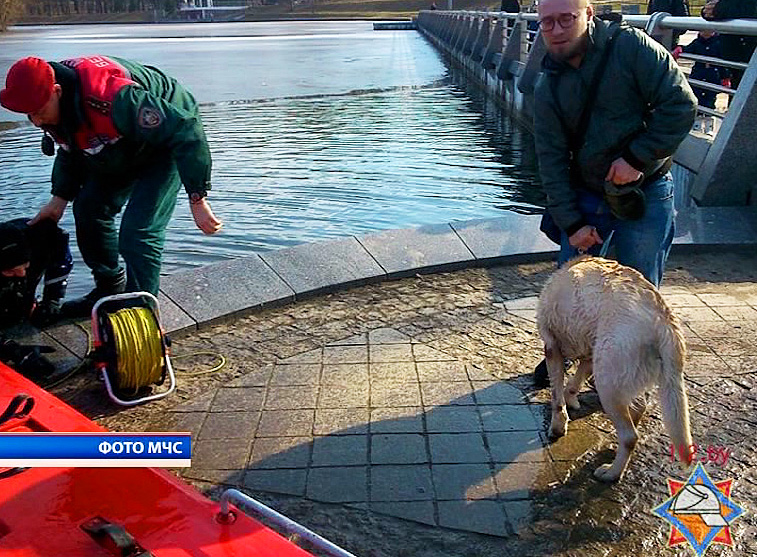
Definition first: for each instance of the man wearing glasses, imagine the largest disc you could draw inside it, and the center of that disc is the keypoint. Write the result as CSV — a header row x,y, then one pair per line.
x,y
608,170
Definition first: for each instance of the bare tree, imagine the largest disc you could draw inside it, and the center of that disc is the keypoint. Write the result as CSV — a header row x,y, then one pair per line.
x,y
9,9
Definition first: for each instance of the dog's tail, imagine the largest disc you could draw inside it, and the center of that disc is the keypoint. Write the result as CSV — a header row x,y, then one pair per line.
x,y
675,403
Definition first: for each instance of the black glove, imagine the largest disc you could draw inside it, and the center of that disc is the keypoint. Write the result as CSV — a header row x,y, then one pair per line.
x,y
27,359
45,313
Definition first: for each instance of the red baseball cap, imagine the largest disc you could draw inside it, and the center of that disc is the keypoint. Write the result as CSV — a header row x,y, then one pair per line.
x,y
28,85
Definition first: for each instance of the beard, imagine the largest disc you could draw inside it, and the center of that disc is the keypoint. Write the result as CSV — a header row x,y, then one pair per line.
x,y
567,52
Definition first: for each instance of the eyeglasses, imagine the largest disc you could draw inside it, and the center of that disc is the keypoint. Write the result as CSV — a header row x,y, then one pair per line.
x,y
566,21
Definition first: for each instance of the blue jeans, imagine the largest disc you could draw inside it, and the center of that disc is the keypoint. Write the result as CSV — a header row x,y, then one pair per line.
x,y
643,244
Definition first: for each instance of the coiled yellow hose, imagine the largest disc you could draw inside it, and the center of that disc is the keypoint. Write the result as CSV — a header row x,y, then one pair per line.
x,y
139,348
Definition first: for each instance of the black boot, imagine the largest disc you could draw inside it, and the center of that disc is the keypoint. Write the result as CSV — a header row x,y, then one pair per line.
x,y
541,375
82,307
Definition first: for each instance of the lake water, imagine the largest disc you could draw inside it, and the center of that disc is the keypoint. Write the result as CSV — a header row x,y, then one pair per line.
x,y
317,129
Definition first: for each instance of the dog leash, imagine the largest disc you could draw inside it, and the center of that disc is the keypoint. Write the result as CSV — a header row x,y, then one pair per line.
x,y
606,244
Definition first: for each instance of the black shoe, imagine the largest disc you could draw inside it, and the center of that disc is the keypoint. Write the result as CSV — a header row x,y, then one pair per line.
x,y
541,375
82,307
45,313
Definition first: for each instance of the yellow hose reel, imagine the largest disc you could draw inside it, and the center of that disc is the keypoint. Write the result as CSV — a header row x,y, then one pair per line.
x,y
131,350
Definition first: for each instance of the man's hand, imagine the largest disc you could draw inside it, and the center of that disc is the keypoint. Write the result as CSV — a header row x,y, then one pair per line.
x,y
584,238
204,217
677,52
52,210
621,172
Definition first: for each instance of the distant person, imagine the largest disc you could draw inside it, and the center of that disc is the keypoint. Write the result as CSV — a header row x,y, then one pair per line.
x,y
673,7
433,6
707,43
27,255
129,135
737,48
510,6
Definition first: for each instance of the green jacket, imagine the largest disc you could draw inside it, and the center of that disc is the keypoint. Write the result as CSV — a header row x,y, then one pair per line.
x,y
179,133
644,108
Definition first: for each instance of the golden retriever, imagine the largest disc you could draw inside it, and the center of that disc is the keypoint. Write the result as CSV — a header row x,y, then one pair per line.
x,y
611,319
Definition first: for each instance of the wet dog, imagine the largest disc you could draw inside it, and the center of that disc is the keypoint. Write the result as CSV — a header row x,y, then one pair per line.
x,y
616,324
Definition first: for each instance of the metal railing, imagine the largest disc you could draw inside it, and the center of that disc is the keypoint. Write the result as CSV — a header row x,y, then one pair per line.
x,y
471,32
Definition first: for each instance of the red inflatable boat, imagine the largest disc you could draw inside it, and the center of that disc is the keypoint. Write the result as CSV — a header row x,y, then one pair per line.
x,y
102,512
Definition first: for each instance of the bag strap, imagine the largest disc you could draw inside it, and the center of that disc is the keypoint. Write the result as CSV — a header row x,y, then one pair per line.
x,y
576,138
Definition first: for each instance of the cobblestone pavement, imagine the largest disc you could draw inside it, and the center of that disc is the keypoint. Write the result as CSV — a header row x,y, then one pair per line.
x,y
400,418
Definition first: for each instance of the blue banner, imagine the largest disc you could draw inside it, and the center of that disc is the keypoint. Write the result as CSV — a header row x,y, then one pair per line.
x,y
61,449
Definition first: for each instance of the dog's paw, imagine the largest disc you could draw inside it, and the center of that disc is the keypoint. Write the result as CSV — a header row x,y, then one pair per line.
x,y
571,400
558,428
606,473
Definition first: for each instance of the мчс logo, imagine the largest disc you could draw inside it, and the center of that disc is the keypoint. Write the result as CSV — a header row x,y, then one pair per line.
x,y
699,511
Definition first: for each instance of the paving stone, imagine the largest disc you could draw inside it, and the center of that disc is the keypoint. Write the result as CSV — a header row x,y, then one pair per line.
x,y
338,484
314,356
529,302
692,314
463,482
179,421
497,392
220,454
287,481
736,313
242,399
345,354
341,421
344,374
387,335
281,452
485,517
442,371
286,423
249,283
199,404
423,249
411,482
680,300
449,448
581,439
520,514
398,448
508,417
423,353
520,480
353,395
230,425
453,419
286,398
440,394
323,265
296,374
399,372
259,377
517,446
353,340
173,319
403,419
390,353
340,450
719,299
395,394
507,235
218,477
417,511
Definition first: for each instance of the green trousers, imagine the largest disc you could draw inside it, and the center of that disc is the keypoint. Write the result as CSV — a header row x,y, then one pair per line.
x,y
150,199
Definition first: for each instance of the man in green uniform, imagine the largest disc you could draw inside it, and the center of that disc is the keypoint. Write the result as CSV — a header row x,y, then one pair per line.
x,y
128,136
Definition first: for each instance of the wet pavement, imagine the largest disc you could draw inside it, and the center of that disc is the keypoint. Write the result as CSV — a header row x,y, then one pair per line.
x,y
400,418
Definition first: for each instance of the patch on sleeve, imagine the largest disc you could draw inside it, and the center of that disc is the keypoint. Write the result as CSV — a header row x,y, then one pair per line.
x,y
149,117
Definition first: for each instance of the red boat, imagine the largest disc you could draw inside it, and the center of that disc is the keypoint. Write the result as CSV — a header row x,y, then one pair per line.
x,y
102,512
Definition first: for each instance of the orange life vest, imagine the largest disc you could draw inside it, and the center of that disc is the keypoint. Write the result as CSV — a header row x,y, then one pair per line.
x,y
100,79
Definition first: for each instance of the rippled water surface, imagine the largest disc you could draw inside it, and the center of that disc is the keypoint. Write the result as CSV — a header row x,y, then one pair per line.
x,y
317,130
